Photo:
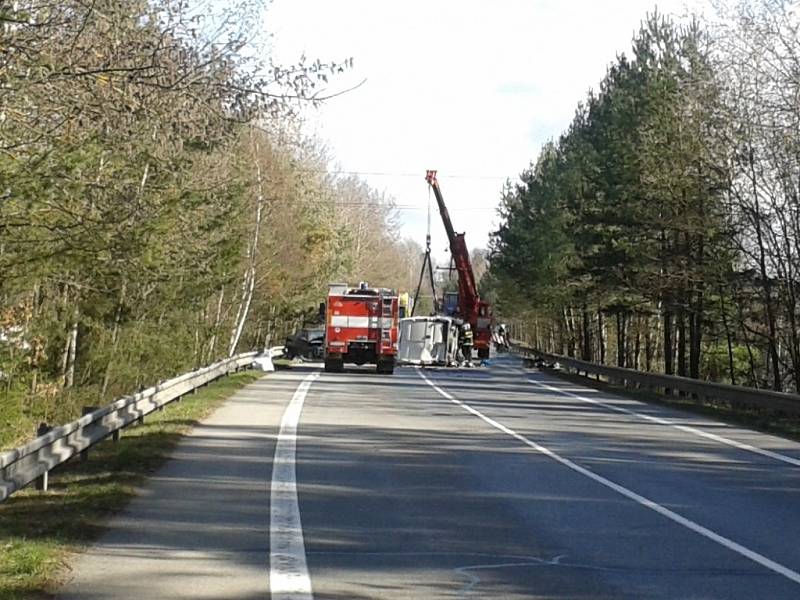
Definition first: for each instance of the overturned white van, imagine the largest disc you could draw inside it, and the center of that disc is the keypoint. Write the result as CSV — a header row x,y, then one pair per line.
x,y
428,341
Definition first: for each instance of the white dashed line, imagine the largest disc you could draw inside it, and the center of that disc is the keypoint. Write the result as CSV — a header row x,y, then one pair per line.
x,y
647,503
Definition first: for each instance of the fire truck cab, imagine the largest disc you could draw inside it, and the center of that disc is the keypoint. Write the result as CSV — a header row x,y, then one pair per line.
x,y
361,327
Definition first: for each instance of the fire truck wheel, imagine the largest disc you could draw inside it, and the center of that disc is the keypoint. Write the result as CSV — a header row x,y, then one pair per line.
x,y
483,353
386,367
333,365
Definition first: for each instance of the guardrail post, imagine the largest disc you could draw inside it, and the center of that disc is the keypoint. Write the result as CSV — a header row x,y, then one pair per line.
x,y
85,411
43,480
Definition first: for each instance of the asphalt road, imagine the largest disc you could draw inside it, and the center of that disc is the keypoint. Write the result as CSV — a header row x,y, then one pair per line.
x,y
485,483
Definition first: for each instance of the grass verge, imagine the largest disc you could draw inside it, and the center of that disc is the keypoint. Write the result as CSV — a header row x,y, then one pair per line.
x,y
39,530
767,421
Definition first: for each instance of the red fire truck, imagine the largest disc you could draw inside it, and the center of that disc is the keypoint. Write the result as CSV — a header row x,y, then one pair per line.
x,y
361,326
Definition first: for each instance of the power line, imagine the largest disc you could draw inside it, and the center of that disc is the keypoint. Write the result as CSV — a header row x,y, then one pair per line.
x,y
453,209
410,206
401,174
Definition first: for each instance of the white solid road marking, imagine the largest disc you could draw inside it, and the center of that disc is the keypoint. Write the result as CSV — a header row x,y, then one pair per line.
x,y
673,516
288,572
685,428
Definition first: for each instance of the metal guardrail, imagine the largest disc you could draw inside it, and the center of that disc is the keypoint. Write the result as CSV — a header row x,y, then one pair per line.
x,y
669,384
32,461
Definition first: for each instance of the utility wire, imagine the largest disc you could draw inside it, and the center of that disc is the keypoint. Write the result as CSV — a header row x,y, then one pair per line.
x,y
411,206
400,174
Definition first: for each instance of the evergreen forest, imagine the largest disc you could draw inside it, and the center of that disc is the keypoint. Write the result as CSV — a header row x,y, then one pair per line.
x,y
661,230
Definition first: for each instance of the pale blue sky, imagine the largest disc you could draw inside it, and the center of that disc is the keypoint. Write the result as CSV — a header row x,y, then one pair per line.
x,y
471,88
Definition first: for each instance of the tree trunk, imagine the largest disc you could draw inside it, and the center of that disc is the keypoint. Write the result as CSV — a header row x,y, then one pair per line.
x,y
766,282
601,337
795,348
249,280
586,345
696,335
728,338
72,349
270,328
244,308
569,325
621,339
114,339
754,381
215,329
698,307
669,367
681,325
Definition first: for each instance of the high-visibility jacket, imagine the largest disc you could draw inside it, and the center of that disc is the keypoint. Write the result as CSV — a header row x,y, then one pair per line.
x,y
466,337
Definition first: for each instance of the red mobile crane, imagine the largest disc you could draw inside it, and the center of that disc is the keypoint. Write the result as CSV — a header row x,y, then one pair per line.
x,y
471,308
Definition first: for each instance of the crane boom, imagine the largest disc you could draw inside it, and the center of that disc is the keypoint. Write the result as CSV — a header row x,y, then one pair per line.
x,y
473,310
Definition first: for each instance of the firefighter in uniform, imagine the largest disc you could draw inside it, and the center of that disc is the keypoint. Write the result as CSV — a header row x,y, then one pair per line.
x,y
502,337
466,344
